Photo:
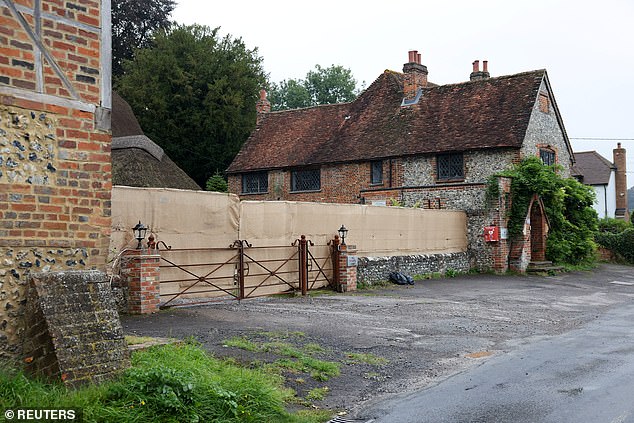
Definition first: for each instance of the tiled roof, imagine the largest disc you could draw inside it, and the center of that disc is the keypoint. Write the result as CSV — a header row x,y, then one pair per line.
x,y
594,168
472,115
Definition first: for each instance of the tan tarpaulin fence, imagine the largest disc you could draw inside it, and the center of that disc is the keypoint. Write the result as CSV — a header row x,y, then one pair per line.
x,y
376,231
198,219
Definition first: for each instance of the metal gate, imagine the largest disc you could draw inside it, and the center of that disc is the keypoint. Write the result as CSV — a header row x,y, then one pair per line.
x,y
201,275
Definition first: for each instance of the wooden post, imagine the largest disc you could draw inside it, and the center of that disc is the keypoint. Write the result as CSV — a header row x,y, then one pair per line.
x,y
303,264
335,261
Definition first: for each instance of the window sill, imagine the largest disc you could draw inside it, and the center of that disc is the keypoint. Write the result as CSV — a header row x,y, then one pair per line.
x,y
450,181
376,184
254,193
301,192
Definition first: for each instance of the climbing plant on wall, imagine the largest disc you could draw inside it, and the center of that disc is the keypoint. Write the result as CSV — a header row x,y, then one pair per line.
x,y
568,204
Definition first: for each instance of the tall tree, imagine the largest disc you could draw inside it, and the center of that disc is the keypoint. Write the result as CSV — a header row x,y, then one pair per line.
x,y
133,23
289,94
334,84
331,85
194,94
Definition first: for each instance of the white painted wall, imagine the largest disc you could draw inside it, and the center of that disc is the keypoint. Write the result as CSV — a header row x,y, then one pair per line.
x,y
606,194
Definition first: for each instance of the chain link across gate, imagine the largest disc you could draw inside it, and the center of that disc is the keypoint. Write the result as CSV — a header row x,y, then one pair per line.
x,y
202,275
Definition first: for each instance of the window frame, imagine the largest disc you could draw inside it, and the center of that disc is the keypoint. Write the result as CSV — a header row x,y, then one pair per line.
x,y
264,177
451,176
376,169
296,172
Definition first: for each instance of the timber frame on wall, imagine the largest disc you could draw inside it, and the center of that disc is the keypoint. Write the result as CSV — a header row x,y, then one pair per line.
x,y
43,55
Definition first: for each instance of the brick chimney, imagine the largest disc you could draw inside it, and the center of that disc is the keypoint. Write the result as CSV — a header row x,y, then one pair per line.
x,y
415,76
262,107
478,75
620,183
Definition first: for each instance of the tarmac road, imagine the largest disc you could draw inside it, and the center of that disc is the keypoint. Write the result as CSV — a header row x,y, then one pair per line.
x,y
433,332
586,375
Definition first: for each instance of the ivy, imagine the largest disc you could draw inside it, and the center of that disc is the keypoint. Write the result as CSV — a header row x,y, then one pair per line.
x,y
622,243
568,206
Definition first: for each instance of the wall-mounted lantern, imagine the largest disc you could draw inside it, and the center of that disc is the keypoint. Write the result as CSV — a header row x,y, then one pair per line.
x,y
342,234
139,233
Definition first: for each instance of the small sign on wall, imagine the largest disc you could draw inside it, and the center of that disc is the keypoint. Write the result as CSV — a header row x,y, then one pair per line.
x,y
504,233
491,233
353,261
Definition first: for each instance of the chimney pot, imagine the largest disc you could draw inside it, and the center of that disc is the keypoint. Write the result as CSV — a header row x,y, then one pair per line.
x,y
478,75
618,145
262,106
415,75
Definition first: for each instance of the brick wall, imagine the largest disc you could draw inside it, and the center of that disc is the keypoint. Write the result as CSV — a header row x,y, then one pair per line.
x,y
340,183
55,170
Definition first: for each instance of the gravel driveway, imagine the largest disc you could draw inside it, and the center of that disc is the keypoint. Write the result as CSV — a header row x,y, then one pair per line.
x,y
426,332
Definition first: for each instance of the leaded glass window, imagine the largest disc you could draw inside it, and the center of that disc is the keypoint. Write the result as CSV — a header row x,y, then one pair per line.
x,y
450,166
376,176
255,182
306,180
547,156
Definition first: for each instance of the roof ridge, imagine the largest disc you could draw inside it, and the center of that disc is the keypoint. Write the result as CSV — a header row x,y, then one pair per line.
x,y
493,78
142,142
310,107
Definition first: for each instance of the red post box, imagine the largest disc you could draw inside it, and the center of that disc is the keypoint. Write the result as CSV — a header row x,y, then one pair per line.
x,y
491,233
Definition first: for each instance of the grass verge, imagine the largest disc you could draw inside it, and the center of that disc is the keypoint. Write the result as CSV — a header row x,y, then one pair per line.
x,y
171,383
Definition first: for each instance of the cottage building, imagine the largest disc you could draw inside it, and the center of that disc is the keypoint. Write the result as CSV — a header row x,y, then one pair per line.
x,y
406,141
608,179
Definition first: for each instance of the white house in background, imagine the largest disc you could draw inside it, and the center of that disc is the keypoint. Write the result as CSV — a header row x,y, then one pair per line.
x,y
607,179
595,170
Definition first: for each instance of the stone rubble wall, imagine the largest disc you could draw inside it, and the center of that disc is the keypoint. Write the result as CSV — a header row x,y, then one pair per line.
x,y
371,270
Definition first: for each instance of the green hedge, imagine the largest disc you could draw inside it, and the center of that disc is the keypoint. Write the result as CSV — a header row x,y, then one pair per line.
x,y
621,243
612,225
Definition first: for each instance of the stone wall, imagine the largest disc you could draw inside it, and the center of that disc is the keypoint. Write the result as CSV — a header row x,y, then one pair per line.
x,y
371,270
478,166
471,199
55,170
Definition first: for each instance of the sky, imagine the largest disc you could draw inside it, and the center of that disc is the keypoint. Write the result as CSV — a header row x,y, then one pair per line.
x,y
587,47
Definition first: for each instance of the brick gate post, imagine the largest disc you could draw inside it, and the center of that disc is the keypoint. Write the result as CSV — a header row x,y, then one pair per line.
x,y
347,268
141,274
